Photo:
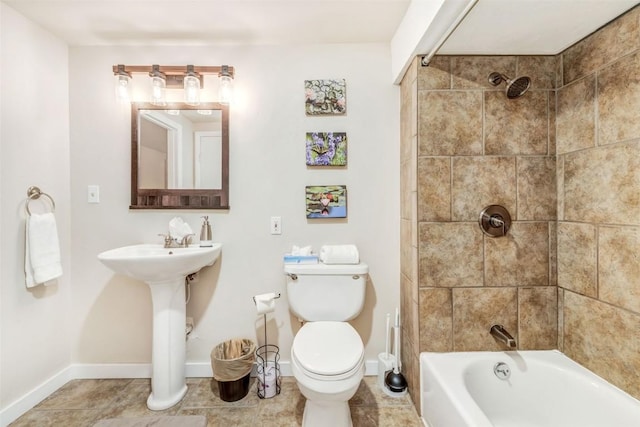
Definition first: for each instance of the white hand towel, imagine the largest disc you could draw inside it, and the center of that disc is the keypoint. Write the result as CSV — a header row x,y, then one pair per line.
x,y
339,254
42,250
178,228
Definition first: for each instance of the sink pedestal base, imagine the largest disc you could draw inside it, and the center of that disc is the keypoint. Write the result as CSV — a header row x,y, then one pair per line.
x,y
164,270
168,383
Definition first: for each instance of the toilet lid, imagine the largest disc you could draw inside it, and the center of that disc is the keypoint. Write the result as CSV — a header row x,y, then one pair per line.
x,y
328,348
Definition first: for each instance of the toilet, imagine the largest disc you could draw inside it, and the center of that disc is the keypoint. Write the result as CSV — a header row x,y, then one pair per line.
x,y
327,354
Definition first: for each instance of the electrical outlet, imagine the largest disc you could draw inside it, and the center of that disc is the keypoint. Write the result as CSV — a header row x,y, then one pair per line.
x,y
276,225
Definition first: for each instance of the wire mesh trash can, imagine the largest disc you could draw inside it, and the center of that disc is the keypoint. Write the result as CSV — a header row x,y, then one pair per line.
x,y
231,362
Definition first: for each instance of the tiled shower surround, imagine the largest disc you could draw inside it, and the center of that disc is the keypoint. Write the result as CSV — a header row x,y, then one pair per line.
x,y
564,159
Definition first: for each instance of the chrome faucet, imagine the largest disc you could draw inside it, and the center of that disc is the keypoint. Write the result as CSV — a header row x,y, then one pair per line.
x,y
501,334
172,242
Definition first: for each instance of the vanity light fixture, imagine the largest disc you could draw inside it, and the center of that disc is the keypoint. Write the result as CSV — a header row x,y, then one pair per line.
x,y
122,84
158,86
191,87
190,78
225,92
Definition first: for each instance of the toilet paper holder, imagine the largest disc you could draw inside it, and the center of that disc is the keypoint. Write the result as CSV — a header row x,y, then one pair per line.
x,y
276,296
266,303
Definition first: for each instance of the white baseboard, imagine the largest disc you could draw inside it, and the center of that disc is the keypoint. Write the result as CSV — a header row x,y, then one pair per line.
x,y
15,409
117,370
111,370
371,368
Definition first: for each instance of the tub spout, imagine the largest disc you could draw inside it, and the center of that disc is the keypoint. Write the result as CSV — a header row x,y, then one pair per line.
x,y
501,334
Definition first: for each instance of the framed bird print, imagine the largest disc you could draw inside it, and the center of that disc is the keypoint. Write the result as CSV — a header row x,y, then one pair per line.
x,y
326,149
326,201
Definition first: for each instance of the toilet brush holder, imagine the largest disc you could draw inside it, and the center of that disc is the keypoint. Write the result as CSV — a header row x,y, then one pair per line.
x,y
385,364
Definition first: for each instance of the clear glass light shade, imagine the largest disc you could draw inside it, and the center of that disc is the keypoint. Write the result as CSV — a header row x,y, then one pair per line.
x,y
123,88
158,91
191,90
225,91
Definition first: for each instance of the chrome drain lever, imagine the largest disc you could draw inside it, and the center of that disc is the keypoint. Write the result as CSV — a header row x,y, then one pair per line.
x,y
502,371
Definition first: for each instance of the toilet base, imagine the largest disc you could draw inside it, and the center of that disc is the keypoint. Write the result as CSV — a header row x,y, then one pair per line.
x,y
326,413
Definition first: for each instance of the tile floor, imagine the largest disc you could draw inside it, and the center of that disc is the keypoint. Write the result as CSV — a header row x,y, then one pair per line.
x,y
82,403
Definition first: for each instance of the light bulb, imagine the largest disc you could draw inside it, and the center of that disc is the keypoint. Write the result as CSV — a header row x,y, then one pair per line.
x,y
158,86
226,89
123,88
191,87
158,91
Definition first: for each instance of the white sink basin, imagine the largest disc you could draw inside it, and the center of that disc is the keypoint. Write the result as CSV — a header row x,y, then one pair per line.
x,y
164,270
154,263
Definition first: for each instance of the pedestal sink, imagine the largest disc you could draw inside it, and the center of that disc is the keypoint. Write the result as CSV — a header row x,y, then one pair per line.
x,y
164,270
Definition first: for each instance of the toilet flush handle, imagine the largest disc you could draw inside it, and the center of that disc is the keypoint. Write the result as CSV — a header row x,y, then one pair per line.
x,y
293,276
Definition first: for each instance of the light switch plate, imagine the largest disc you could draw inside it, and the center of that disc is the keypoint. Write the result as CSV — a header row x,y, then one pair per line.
x,y
93,194
276,225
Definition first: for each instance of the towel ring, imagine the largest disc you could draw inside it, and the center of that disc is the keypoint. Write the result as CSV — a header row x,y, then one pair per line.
x,y
34,193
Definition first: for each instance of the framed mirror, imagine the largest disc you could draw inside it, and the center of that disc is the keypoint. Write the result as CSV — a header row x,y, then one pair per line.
x,y
179,156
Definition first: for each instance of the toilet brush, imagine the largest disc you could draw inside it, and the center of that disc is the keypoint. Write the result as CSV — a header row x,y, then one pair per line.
x,y
394,380
386,360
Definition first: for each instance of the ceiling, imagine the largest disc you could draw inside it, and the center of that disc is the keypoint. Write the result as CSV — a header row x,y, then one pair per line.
x,y
205,22
492,27
530,27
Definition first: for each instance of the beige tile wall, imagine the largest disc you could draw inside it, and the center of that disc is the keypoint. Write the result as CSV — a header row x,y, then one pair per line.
x,y
565,160
599,189
472,147
409,231
476,148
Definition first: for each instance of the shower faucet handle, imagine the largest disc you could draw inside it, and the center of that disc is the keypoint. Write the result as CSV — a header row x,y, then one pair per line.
x,y
495,221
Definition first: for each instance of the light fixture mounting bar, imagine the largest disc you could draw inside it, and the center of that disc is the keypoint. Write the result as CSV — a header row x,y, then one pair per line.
x,y
175,69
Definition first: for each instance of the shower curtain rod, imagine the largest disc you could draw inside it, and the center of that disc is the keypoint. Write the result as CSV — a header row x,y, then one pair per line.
x,y
427,58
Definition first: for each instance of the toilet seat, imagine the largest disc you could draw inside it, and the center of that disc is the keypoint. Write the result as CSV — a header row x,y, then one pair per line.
x,y
328,350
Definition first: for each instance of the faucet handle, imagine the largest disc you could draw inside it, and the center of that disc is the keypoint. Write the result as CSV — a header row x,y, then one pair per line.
x,y
167,239
186,240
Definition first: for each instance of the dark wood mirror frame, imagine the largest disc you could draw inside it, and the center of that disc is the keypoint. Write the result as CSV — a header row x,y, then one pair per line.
x,y
179,198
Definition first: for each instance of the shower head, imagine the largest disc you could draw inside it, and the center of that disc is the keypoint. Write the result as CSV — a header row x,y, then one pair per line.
x,y
515,88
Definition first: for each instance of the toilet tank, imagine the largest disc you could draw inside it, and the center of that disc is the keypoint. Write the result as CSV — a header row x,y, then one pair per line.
x,y
326,291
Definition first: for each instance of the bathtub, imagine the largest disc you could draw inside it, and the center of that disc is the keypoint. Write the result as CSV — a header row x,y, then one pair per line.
x,y
528,389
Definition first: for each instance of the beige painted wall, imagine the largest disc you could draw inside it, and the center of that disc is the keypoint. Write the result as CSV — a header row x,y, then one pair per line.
x,y
93,317
112,314
34,150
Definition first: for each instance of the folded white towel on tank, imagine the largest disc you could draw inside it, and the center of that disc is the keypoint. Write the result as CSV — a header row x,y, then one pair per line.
x,y
339,254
